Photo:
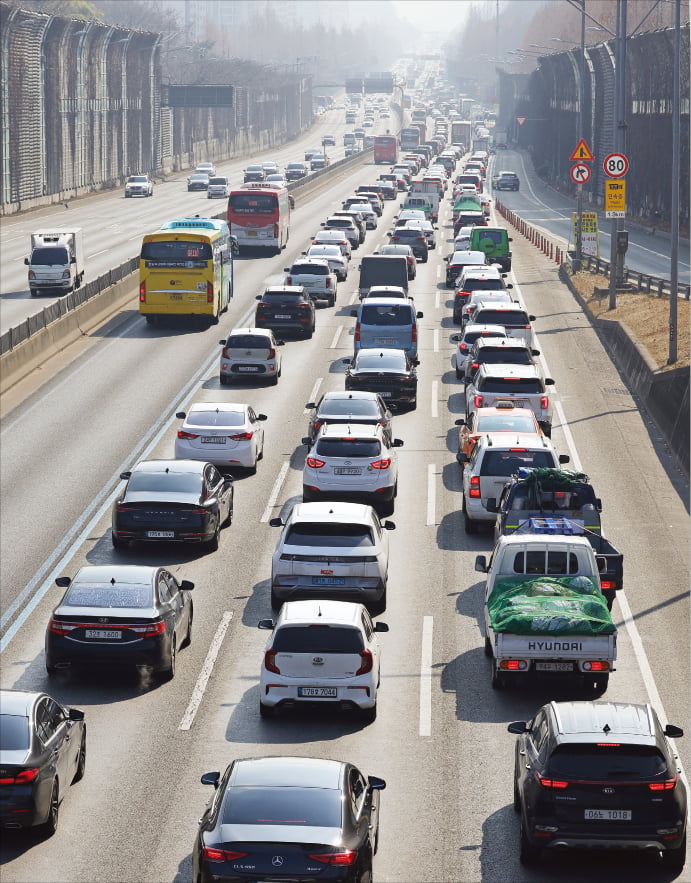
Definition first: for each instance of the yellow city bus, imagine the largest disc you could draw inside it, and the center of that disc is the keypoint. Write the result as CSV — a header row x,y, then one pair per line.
x,y
186,269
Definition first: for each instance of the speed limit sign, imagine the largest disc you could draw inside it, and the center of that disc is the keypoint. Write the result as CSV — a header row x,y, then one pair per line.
x,y
616,165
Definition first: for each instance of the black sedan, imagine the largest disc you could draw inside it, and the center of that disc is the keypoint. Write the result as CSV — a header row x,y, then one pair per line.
x,y
288,818
388,372
184,501
120,615
42,752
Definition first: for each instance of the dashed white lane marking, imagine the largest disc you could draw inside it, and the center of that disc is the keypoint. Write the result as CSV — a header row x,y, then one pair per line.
x,y
435,398
205,673
334,342
437,300
275,491
439,272
431,494
313,394
426,677
436,340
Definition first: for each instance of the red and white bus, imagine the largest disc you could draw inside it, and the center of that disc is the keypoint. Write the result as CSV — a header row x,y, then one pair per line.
x,y
386,149
410,137
259,215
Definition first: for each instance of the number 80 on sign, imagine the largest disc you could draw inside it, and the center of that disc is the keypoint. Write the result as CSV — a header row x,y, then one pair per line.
x,y
616,165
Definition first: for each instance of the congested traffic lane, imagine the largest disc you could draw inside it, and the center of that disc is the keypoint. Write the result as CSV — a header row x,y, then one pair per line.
x,y
446,812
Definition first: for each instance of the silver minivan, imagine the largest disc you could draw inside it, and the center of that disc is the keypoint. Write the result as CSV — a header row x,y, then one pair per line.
x,y
387,322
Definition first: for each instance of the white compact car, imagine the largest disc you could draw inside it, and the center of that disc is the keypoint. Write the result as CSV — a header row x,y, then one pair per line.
x,y
336,550
355,462
250,352
321,652
223,433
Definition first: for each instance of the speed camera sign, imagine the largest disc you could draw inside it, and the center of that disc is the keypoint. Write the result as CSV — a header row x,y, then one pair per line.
x,y
616,165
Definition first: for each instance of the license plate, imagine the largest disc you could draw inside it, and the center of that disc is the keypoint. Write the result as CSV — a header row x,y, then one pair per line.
x,y
176,297
160,534
251,232
102,635
213,440
385,340
345,470
554,666
608,815
318,692
386,395
328,581
248,368
282,316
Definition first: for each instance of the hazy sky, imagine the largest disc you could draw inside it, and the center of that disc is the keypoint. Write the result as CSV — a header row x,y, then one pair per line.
x,y
434,15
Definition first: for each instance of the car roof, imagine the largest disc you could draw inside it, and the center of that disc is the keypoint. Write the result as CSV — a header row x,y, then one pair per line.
x,y
349,394
227,407
130,574
363,430
619,721
287,772
506,440
18,702
387,287
482,272
514,305
312,262
390,301
262,332
332,512
507,407
509,343
189,467
502,370
284,289
495,331
468,256
319,612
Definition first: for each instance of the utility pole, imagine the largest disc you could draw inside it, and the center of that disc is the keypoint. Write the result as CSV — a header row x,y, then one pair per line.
x,y
674,257
619,140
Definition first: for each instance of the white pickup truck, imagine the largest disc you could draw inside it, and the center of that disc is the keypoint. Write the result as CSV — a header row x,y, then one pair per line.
x,y
544,611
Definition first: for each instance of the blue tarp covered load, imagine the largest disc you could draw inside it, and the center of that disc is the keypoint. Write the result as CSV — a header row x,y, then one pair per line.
x,y
548,605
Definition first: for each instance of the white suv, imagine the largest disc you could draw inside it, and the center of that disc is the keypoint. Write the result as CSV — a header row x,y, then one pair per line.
x,y
494,459
353,462
316,277
139,185
250,352
327,549
321,652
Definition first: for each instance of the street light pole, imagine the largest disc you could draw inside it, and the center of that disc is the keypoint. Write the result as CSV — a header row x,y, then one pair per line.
x,y
581,135
619,132
674,255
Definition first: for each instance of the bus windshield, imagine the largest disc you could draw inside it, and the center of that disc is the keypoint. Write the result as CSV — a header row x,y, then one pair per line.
x,y
253,203
175,251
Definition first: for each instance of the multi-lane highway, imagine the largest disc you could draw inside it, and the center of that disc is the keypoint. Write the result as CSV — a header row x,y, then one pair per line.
x,y
440,737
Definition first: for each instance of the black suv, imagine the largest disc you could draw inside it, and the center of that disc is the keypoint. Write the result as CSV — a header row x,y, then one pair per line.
x,y
286,307
599,775
506,181
388,372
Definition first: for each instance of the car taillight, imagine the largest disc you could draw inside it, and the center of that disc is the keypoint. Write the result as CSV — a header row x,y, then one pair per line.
x,y
61,628
241,436
182,434
544,402
527,326
367,662
668,785
20,777
289,280
357,331
462,293
315,463
551,783
345,857
608,584
276,231
328,282
463,347
272,353
413,333
317,425
225,354
474,487
32,275
142,292
478,400
151,629
381,464
270,662
221,855
209,292
475,365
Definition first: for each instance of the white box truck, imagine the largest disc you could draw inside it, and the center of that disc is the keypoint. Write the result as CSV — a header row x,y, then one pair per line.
x,y
56,262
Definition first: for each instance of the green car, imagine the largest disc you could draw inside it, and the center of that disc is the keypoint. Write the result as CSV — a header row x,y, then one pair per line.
x,y
494,241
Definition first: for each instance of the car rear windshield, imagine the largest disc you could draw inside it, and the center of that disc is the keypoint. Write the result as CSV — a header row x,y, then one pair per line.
x,y
508,422
253,203
317,639
608,762
14,732
320,535
346,223
281,297
512,385
345,447
308,270
472,284
83,595
508,462
391,361
386,314
215,418
498,237
252,805
510,355
349,407
247,342
557,563
165,483
509,318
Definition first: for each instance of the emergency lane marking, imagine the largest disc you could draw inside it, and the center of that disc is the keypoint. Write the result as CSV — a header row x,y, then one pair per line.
x,y
275,490
334,342
435,338
205,673
97,253
313,394
426,677
431,494
435,396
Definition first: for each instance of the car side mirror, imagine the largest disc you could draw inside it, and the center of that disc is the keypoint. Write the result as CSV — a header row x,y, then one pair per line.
x,y
26,261
125,476
262,417
280,343
346,361
286,269
353,313
531,318
459,422
456,337
276,522
549,381
510,239
75,714
307,441
480,564
491,504
63,581
598,504
397,443
310,405
267,624
509,286
673,732
381,627
462,457
564,458
375,783
181,415
389,525
419,314
187,585
535,352
518,727
211,779
221,343
258,296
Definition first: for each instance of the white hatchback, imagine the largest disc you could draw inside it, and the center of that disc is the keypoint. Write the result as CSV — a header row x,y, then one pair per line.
x,y
333,255
223,433
250,352
321,652
335,550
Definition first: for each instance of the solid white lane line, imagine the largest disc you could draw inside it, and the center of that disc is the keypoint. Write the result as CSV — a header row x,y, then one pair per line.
x,y
275,491
313,394
435,397
570,443
334,342
426,677
431,494
205,673
435,339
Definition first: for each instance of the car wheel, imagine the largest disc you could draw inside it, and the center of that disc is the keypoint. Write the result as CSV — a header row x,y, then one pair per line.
x,y
265,711
150,320
309,333
274,380
224,379
81,760
488,648
307,496
498,679
528,854
424,259
213,543
51,670
332,300
369,715
252,470
117,542
516,792
468,523
460,374
675,858
188,634
50,826
276,602
379,606
169,673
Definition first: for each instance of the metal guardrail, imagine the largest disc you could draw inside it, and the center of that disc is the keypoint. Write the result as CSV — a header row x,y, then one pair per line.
x,y
11,338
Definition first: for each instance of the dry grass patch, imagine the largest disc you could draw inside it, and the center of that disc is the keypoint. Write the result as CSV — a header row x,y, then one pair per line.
x,y
646,315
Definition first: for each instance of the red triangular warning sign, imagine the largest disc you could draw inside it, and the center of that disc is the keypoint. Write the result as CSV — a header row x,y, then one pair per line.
x,y
582,152
521,120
